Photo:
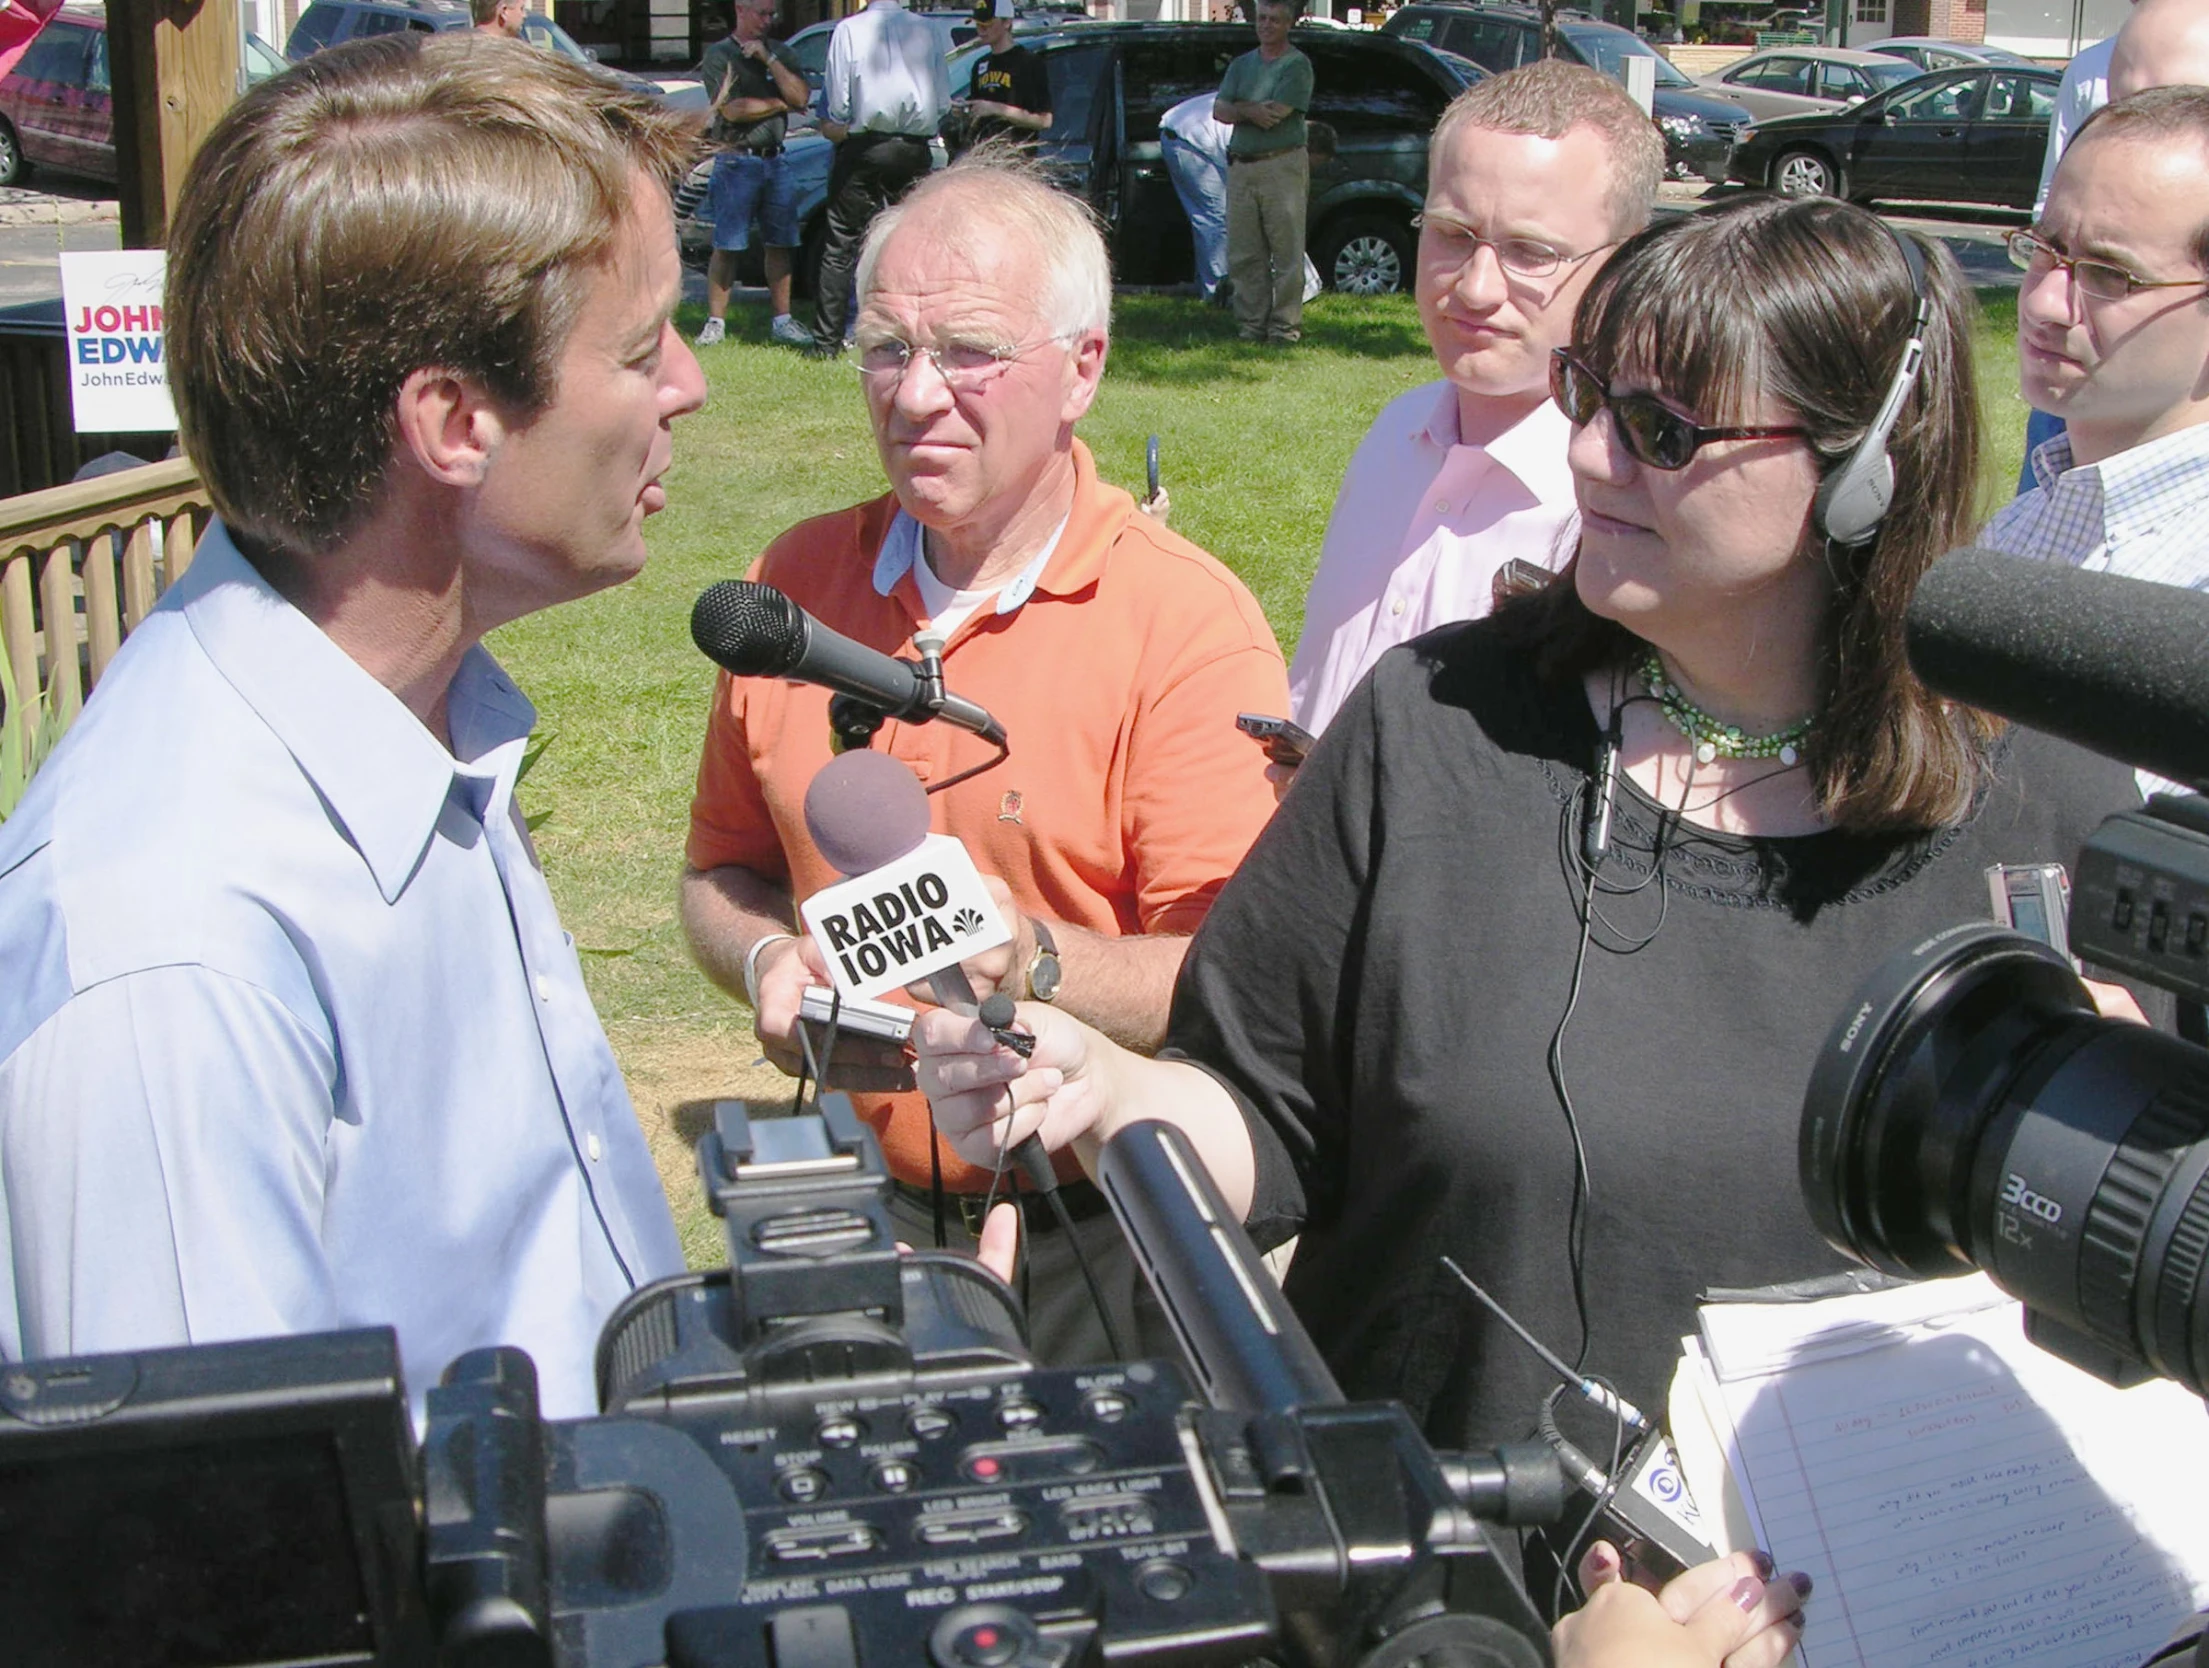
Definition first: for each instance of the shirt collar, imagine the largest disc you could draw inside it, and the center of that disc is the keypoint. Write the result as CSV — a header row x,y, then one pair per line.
x,y
2051,458
1532,449
385,778
1069,562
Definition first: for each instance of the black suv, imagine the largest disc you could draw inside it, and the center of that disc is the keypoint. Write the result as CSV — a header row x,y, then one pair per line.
x,y
1379,98
1700,129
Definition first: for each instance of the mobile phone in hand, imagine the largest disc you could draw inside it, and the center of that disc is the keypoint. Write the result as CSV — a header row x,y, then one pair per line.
x,y
1285,742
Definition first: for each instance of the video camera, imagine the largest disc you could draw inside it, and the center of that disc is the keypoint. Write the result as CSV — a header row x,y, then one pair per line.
x,y
828,1455
1971,1109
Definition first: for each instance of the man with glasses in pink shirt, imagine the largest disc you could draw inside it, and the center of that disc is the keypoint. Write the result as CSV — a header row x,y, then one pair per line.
x,y
1532,178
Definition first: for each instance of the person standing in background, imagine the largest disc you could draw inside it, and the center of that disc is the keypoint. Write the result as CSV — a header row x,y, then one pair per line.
x,y
1263,97
754,83
886,94
1193,143
1010,94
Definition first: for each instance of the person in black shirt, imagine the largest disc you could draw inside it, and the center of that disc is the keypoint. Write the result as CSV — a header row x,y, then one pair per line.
x,y
1366,1030
1010,94
754,84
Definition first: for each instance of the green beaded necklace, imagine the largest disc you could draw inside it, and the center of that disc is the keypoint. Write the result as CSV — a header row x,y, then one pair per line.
x,y
1712,739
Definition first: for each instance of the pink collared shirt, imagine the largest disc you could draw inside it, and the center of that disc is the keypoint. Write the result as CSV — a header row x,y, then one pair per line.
x,y
1419,531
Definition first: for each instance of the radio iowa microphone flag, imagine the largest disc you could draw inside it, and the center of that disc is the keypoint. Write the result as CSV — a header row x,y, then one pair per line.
x,y
904,916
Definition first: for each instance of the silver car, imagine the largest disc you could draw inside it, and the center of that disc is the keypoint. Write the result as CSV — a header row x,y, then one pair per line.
x,y
1795,80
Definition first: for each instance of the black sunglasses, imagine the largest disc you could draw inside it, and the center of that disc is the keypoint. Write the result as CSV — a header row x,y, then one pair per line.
x,y
1651,431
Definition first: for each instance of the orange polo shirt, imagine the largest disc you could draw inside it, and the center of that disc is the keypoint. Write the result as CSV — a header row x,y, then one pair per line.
x,y
1129,795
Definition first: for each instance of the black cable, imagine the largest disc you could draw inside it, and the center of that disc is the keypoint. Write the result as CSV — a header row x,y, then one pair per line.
x,y
1613,1477
1113,1340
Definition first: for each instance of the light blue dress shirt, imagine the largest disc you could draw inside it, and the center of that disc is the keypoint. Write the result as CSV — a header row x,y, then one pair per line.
x,y
290,1035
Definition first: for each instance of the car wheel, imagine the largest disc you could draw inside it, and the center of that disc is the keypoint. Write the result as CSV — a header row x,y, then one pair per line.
x,y
12,165
1367,254
1805,174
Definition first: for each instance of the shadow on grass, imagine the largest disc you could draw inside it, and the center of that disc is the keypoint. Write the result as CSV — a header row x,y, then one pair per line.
x,y
1176,341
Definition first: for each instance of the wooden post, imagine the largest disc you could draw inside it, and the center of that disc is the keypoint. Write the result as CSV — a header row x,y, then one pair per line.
x,y
175,70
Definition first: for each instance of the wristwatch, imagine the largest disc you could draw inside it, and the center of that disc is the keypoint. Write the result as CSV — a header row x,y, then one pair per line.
x,y
1044,972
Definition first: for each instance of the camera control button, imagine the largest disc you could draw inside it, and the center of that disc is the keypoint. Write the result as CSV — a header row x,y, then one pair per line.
x,y
982,1636
1017,1413
1164,1581
1107,1407
927,1423
801,1485
894,1476
840,1430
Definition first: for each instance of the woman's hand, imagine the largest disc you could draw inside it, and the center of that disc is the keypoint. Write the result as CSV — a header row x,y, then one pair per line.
x,y
987,1099
1730,1611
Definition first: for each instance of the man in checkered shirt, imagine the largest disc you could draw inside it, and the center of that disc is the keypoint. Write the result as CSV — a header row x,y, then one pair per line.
x,y
2113,337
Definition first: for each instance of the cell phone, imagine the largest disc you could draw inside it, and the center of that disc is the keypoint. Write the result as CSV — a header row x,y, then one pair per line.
x,y
1150,464
1517,578
2034,899
1286,743
883,1021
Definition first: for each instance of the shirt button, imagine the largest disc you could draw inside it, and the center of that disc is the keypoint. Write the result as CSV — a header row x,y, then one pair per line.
x,y
1441,506
1396,607
591,1146
544,988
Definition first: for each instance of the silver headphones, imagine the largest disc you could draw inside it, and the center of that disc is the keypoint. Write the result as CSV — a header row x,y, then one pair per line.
x,y
1853,500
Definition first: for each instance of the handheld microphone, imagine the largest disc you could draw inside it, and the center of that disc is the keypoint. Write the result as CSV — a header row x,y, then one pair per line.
x,y
752,630
2119,666
865,810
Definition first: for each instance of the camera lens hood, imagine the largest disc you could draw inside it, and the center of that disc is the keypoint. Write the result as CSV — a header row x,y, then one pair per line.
x,y
1897,1090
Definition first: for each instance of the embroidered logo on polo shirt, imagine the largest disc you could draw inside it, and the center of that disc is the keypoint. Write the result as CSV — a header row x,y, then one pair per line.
x,y
1008,808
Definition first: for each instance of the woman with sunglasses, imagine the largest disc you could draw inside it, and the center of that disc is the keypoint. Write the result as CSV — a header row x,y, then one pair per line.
x,y
1466,1000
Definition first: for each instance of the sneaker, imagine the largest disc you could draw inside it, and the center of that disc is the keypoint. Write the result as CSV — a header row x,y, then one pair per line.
x,y
712,331
789,332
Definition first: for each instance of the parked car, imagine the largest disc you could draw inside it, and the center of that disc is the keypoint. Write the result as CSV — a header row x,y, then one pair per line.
x,y
1110,83
1930,54
1699,129
1961,136
327,22
1376,96
1792,80
57,108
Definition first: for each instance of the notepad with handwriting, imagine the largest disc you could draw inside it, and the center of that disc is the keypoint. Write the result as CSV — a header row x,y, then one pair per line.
x,y
1960,1498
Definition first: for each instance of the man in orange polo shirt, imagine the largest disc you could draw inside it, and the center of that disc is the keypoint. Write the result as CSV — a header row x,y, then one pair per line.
x,y
1115,653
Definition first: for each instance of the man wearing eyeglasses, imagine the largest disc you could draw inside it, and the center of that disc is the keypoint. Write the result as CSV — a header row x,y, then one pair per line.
x,y
1115,653
1532,178
2113,337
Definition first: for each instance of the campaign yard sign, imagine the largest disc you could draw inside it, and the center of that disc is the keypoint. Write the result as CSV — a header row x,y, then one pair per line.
x,y
118,373
927,911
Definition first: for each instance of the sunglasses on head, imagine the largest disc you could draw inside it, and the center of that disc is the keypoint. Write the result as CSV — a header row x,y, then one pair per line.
x,y
1651,431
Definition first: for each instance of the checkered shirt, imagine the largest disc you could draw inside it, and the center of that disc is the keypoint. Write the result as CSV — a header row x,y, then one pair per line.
x,y
2138,514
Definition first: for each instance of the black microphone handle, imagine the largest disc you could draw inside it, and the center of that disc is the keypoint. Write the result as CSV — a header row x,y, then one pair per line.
x,y
753,630
1237,1330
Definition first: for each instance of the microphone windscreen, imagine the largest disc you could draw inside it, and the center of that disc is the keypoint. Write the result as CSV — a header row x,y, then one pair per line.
x,y
748,629
2117,665
865,809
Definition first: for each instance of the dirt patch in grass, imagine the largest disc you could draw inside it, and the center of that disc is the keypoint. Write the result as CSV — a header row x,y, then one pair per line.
x,y
675,1074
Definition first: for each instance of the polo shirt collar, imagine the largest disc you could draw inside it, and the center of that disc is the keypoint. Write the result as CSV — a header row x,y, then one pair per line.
x,y
1070,562
385,778
1532,449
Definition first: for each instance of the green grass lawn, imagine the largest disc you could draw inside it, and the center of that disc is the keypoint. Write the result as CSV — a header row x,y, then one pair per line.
x,y
1254,444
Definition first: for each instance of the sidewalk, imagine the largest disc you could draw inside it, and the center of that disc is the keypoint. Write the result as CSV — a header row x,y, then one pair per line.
x,y
27,206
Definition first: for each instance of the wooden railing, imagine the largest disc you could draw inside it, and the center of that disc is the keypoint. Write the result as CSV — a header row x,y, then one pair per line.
x,y
66,602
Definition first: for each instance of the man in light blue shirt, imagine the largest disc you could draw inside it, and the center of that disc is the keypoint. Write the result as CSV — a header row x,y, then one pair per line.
x,y
291,1037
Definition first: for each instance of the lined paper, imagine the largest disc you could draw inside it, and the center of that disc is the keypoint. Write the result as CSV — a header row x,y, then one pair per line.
x,y
1962,1499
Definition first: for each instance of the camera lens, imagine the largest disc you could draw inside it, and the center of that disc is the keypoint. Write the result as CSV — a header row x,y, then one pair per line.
x,y
1972,1110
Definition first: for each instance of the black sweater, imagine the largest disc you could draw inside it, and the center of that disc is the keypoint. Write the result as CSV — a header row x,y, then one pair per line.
x,y
1379,982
